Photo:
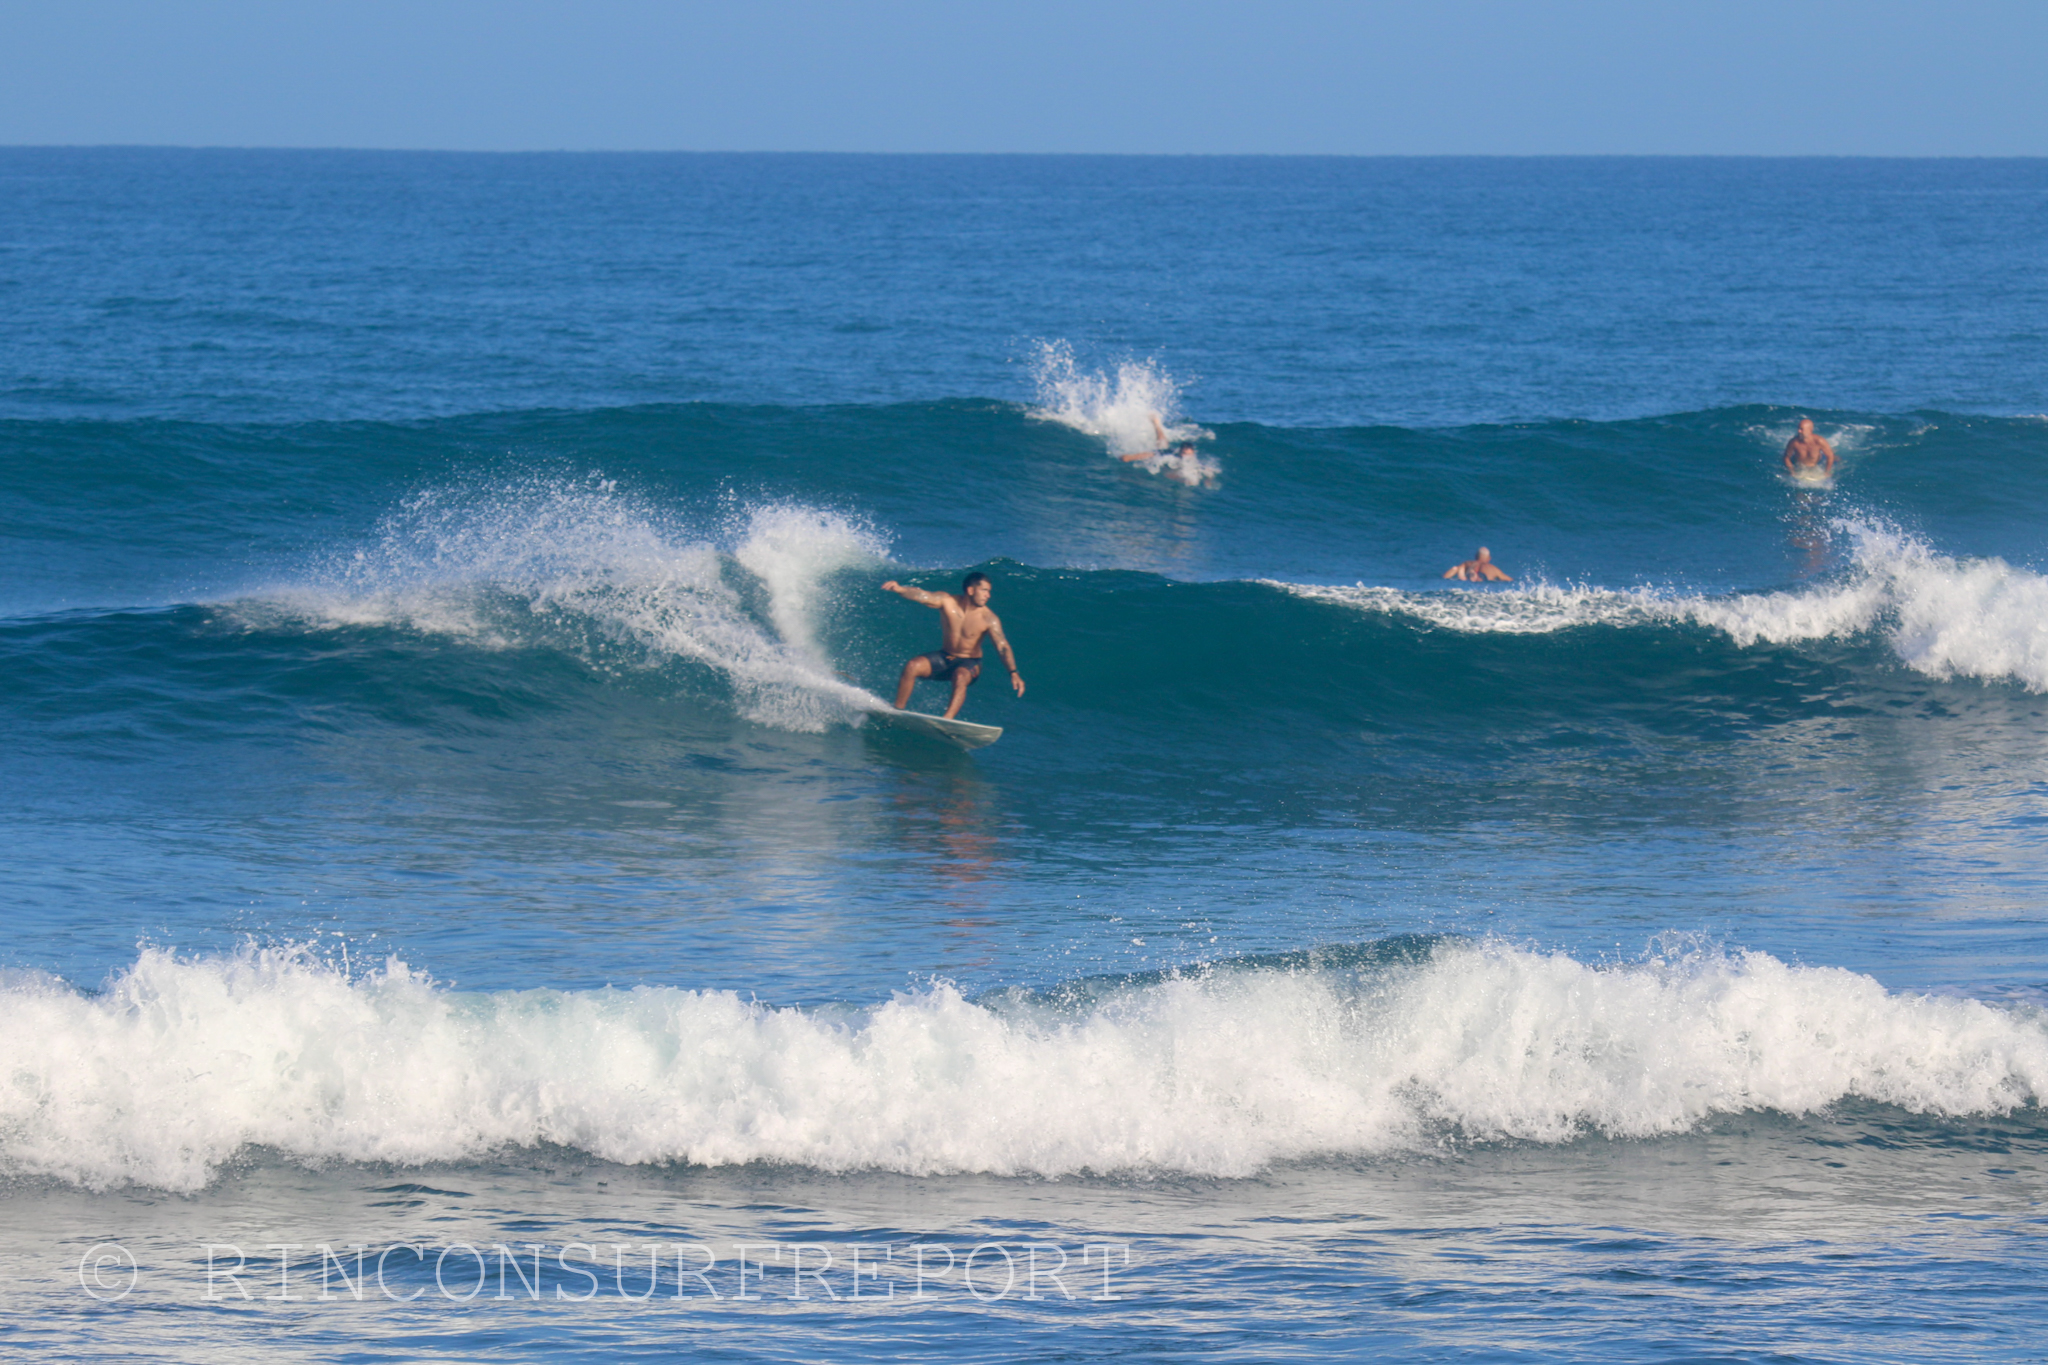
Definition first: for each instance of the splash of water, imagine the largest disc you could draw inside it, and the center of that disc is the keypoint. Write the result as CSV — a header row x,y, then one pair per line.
x,y
583,566
1117,406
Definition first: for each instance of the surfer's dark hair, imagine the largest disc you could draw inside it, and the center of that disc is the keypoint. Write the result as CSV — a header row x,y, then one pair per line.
x,y
971,579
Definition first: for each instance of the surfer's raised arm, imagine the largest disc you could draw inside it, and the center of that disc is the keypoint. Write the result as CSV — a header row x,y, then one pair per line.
x,y
919,595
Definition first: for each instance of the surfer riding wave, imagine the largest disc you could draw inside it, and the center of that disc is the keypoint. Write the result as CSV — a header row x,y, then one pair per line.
x,y
964,620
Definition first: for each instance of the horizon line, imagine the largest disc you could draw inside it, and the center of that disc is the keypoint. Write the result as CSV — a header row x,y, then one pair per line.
x,y
1243,156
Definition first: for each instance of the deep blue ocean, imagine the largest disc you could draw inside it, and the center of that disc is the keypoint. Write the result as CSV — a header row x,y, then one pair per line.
x,y
458,903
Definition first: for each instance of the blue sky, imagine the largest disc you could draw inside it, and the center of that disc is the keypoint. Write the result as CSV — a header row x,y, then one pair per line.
x,y
1507,77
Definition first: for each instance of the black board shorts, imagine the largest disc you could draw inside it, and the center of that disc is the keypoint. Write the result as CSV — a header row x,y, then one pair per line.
x,y
944,666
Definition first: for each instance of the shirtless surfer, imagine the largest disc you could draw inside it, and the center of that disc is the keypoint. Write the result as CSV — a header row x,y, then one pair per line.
x,y
1808,456
965,618
1478,569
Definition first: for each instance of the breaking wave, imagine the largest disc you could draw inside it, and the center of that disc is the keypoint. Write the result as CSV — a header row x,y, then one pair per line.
x,y
1941,616
182,1064
587,567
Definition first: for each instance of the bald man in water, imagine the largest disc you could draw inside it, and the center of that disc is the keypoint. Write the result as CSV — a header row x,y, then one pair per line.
x,y
1479,569
1808,455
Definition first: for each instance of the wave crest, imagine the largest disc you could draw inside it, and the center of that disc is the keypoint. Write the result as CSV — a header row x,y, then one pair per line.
x,y
1944,617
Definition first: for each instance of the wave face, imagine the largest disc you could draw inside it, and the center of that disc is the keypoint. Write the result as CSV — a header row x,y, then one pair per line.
x,y
733,557
134,513
678,609
180,1065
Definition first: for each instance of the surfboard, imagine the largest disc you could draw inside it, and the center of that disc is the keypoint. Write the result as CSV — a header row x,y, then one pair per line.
x,y
1813,476
964,733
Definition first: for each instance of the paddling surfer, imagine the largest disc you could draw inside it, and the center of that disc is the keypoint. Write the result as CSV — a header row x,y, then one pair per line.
x,y
1478,569
1808,455
964,619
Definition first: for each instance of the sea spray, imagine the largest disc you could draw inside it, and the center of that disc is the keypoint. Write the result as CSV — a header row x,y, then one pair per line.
x,y
793,550
583,566
181,1063
1118,406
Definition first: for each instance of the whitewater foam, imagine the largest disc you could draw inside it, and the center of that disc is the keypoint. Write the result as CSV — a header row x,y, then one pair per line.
x,y
1979,618
585,567
1947,618
1533,608
180,1064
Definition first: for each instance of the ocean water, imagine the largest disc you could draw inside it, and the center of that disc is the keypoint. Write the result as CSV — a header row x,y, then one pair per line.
x,y
457,904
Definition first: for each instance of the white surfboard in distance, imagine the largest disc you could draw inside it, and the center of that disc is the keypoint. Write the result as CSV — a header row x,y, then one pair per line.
x,y
964,733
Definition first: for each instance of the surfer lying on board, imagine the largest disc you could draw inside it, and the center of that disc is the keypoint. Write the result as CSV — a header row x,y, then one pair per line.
x,y
1478,569
1808,455
964,619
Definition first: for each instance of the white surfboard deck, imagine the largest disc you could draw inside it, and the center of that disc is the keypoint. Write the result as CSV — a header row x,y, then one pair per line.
x,y
1812,478
964,733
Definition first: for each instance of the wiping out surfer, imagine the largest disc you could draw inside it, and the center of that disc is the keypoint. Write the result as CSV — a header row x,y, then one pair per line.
x,y
1808,456
1159,441
1478,569
1162,447
1181,462
964,620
